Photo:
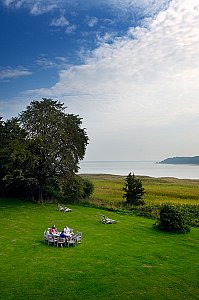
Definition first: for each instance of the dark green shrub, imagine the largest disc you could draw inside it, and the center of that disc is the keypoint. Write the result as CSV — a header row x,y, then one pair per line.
x,y
173,219
88,188
149,211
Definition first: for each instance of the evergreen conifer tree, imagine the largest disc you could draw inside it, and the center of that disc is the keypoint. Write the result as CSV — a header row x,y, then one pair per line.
x,y
134,190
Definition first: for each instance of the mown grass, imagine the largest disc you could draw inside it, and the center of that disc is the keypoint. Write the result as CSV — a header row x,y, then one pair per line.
x,y
126,260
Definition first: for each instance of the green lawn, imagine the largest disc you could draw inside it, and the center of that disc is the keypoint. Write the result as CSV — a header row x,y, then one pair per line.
x,y
127,260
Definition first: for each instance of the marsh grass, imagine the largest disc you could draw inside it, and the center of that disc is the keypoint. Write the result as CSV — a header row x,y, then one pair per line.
x,y
108,189
127,260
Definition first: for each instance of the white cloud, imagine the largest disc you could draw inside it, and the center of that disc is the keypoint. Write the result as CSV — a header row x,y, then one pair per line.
x,y
62,59
7,107
10,73
8,2
92,21
44,62
106,38
60,22
70,29
58,62
37,7
146,7
14,3
139,87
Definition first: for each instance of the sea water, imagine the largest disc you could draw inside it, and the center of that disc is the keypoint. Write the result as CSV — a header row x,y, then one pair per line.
x,y
143,168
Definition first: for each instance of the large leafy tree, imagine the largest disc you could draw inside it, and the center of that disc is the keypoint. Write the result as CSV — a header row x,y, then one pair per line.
x,y
56,139
45,147
13,154
1,134
1,147
134,190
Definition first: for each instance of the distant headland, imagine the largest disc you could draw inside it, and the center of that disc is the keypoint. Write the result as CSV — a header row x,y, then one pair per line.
x,y
181,160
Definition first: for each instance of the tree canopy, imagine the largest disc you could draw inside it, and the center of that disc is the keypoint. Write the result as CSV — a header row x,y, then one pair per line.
x,y
42,146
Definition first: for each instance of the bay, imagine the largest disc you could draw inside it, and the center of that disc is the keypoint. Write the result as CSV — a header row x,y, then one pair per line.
x,y
142,168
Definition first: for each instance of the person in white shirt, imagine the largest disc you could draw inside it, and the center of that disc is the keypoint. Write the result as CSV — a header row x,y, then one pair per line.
x,y
67,230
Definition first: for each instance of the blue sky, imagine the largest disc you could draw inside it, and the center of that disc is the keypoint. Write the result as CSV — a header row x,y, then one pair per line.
x,y
130,69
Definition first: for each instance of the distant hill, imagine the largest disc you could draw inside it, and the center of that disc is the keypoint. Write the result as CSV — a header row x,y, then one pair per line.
x,y
181,160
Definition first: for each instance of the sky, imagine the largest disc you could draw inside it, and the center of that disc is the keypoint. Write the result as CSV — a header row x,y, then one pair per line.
x,y
128,68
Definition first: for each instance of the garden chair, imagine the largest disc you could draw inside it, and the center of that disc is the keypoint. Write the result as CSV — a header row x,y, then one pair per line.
x,y
60,207
63,208
106,220
46,233
66,209
61,242
71,241
78,237
52,240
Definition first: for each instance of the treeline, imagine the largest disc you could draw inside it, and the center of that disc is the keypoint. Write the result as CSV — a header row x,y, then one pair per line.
x,y
181,160
39,154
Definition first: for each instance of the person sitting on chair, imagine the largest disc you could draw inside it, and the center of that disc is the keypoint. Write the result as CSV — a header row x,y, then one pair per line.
x,y
62,234
53,230
67,230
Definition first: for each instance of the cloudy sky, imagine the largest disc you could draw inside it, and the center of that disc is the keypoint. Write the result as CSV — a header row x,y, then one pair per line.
x,y
129,68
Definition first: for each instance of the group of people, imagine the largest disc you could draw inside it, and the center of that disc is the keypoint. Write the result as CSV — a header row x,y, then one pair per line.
x,y
67,236
65,233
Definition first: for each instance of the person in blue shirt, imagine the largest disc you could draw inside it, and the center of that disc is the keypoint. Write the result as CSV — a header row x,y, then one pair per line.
x,y
62,235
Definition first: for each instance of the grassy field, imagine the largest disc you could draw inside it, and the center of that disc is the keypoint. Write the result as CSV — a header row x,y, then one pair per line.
x,y
108,190
126,260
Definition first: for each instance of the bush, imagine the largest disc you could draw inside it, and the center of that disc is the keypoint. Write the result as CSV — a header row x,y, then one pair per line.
x,y
73,189
173,219
88,188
